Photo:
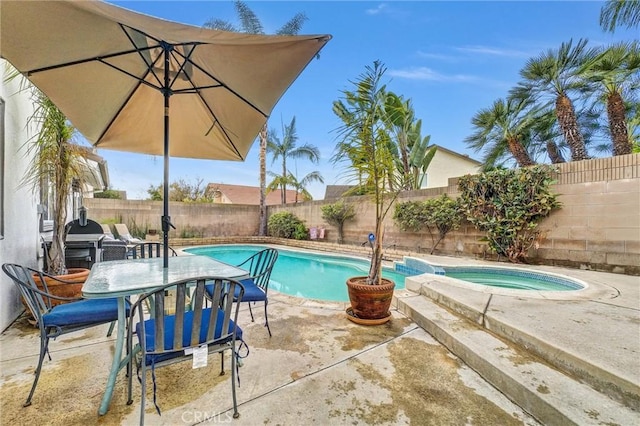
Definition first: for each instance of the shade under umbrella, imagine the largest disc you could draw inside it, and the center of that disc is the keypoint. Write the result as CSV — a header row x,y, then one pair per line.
x,y
131,82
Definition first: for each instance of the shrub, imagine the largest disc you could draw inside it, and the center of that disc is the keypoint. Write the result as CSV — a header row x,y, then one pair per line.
x,y
192,232
109,193
440,214
508,205
410,216
287,225
443,213
337,214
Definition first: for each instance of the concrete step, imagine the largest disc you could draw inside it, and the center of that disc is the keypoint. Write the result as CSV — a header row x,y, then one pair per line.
x,y
549,395
588,338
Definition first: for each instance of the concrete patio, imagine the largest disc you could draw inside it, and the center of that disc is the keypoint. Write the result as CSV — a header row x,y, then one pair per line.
x,y
320,368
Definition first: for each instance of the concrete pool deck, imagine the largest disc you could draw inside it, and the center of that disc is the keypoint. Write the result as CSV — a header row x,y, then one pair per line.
x,y
320,368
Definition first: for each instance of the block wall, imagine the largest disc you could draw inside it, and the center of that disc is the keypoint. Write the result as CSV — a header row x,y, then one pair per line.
x,y
598,226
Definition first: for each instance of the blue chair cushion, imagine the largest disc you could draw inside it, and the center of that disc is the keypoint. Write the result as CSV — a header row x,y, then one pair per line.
x,y
252,293
86,311
169,328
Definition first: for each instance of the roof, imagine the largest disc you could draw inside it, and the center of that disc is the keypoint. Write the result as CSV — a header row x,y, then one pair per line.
x,y
95,170
335,191
457,154
243,194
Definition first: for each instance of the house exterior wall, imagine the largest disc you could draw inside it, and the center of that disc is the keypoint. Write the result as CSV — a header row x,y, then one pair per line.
x,y
19,244
446,165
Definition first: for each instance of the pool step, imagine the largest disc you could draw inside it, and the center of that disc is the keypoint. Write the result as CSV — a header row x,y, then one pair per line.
x,y
415,266
552,397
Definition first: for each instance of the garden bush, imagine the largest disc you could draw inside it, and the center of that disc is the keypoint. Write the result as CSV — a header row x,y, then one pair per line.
x,y
438,215
508,205
287,225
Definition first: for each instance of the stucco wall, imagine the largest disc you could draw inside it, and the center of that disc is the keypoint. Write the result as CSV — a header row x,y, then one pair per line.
x,y
20,241
446,164
598,226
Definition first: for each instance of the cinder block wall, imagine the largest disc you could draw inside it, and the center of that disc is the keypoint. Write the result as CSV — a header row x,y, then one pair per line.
x,y
189,218
598,226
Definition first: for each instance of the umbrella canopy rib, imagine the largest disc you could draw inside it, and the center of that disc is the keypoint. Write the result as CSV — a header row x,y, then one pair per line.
x,y
101,58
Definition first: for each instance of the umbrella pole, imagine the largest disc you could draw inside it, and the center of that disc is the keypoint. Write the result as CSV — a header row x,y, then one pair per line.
x,y
166,219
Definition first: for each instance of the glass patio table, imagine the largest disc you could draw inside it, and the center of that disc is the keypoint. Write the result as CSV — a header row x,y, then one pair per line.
x,y
122,278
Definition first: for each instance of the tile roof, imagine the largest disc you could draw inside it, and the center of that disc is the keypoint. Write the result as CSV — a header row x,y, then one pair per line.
x,y
243,194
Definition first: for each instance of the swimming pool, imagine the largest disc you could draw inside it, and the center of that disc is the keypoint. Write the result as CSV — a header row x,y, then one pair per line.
x,y
301,274
511,279
493,276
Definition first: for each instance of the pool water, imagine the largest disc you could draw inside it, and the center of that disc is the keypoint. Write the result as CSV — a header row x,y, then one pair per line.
x,y
504,278
492,276
307,275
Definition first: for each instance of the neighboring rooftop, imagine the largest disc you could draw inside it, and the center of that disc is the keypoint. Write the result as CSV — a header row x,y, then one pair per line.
x,y
335,191
243,194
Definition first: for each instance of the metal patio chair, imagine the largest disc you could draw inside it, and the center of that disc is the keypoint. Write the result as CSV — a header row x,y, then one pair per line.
x,y
256,285
148,249
114,250
184,331
53,321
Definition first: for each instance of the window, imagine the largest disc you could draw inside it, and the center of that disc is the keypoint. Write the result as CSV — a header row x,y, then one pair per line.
x,y
2,169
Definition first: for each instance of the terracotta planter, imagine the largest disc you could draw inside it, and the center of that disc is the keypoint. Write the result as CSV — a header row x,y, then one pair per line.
x,y
76,275
370,302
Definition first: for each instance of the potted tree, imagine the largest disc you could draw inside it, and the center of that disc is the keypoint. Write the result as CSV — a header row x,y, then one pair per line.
x,y
370,153
56,162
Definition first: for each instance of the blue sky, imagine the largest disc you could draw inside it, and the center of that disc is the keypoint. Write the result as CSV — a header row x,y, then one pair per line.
x,y
452,58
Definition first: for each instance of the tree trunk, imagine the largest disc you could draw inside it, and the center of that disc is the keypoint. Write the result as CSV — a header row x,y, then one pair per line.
x,y
554,153
283,188
375,269
263,181
519,153
570,129
618,125
56,262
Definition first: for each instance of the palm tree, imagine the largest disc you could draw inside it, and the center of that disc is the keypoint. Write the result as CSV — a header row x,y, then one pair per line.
x,y
249,23
364,137
625,12
545,134
299,185
633,127
554,73
287,149
612,72
56,163
503,128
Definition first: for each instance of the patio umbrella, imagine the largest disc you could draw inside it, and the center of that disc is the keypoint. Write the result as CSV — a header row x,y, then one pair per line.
x,y
135,83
